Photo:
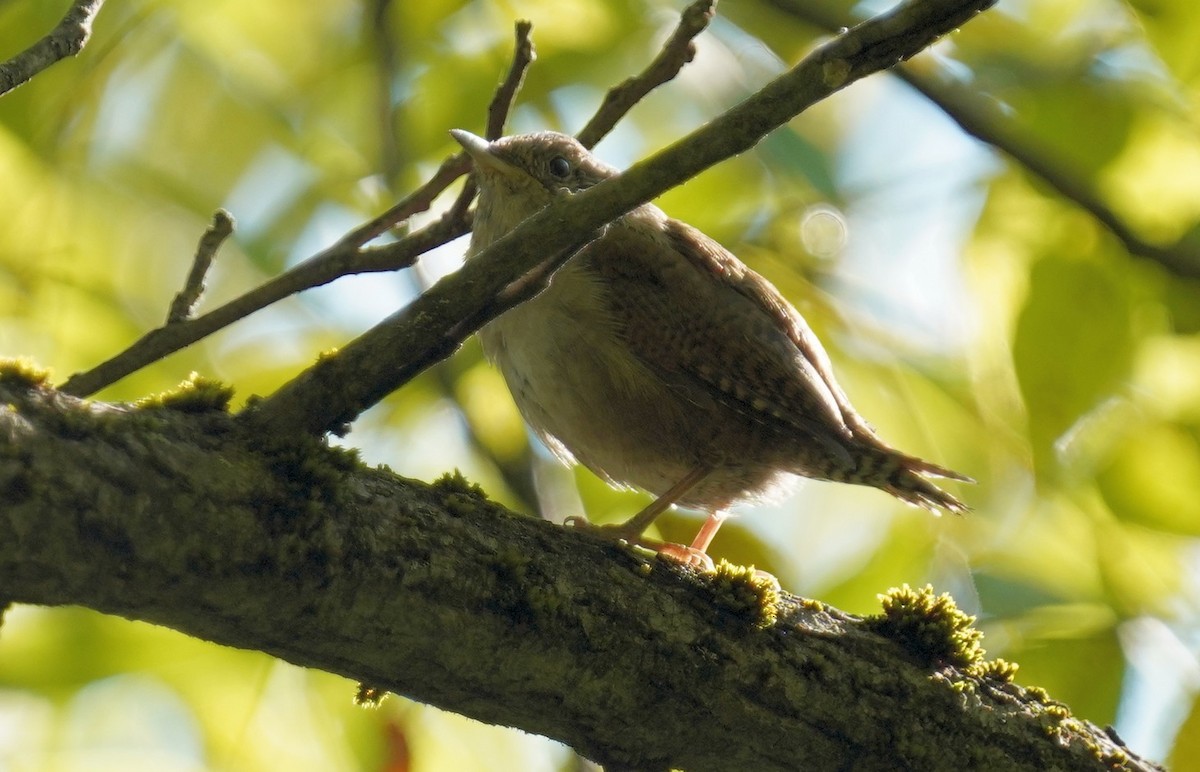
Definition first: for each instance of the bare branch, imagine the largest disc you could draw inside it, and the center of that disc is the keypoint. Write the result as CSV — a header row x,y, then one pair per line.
x,y
67,38
982,119
337,261
524,55
350,255
339,387
986,122
456,165
675,53
185,300
502,102
416,202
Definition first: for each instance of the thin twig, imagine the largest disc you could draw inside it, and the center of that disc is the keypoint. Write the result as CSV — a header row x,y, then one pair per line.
x,y
979,117
458,164
322,268
351,254
517,472
387,54
414,203
524,55
185,300
339,387
679,49
67,38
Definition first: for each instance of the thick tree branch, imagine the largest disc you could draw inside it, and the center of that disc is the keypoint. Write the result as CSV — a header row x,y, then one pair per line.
x,y
171,513
67,38
339,387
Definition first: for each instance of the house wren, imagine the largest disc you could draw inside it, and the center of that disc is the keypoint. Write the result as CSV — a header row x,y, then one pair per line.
x,y
657,359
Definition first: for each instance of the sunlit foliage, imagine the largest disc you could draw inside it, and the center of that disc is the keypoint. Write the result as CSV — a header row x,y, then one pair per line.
x,y
975,314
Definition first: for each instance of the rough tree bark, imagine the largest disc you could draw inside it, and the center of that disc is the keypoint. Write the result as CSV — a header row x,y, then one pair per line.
x,y
175,512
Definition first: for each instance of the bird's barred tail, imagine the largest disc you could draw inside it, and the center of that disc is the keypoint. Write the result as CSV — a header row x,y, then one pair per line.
x,y
907,478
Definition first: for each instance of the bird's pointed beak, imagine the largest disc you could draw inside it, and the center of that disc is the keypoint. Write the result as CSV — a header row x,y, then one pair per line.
x,y
473,144
480,151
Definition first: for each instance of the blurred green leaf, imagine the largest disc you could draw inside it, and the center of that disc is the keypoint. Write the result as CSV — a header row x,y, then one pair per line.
x,y
1003,596
791,155
1069,349
1186,753
1073,346
1172,28
1083,672
1056,104
1153,479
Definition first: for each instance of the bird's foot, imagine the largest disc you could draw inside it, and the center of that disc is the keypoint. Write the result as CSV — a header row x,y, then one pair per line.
x,y
678,553
689,556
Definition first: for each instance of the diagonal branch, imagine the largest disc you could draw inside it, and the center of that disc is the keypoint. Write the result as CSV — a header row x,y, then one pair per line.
x,y
982,119
350,255
343,258
339,387
67,38
679,49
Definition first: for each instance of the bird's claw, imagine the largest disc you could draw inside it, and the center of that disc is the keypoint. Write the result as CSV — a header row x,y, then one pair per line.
x,y
609,532
677,553
688,556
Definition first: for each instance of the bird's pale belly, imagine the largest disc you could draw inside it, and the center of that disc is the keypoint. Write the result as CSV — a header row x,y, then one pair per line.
x,y
591,399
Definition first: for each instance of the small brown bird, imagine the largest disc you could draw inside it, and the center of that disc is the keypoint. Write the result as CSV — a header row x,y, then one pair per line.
x,y
657,359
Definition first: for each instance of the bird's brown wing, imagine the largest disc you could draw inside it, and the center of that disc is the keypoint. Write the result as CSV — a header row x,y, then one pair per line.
x,y
698,317
709,256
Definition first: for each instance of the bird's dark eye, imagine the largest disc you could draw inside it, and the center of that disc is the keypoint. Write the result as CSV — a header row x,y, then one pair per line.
x,y
560,167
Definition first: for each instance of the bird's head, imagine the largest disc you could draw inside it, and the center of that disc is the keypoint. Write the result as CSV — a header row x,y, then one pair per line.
x,y
520,174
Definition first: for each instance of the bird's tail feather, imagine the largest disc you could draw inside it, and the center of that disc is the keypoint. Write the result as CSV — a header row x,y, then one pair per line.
x,y
907,478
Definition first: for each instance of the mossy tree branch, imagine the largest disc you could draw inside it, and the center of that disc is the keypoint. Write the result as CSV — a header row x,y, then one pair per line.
x,y
170,512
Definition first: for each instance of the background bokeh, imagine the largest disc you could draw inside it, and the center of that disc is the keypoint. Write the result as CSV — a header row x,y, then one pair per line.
x,y
975,316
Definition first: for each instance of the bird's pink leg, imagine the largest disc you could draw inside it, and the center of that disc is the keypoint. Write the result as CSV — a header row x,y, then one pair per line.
x,y
707,531
631,530
697,554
